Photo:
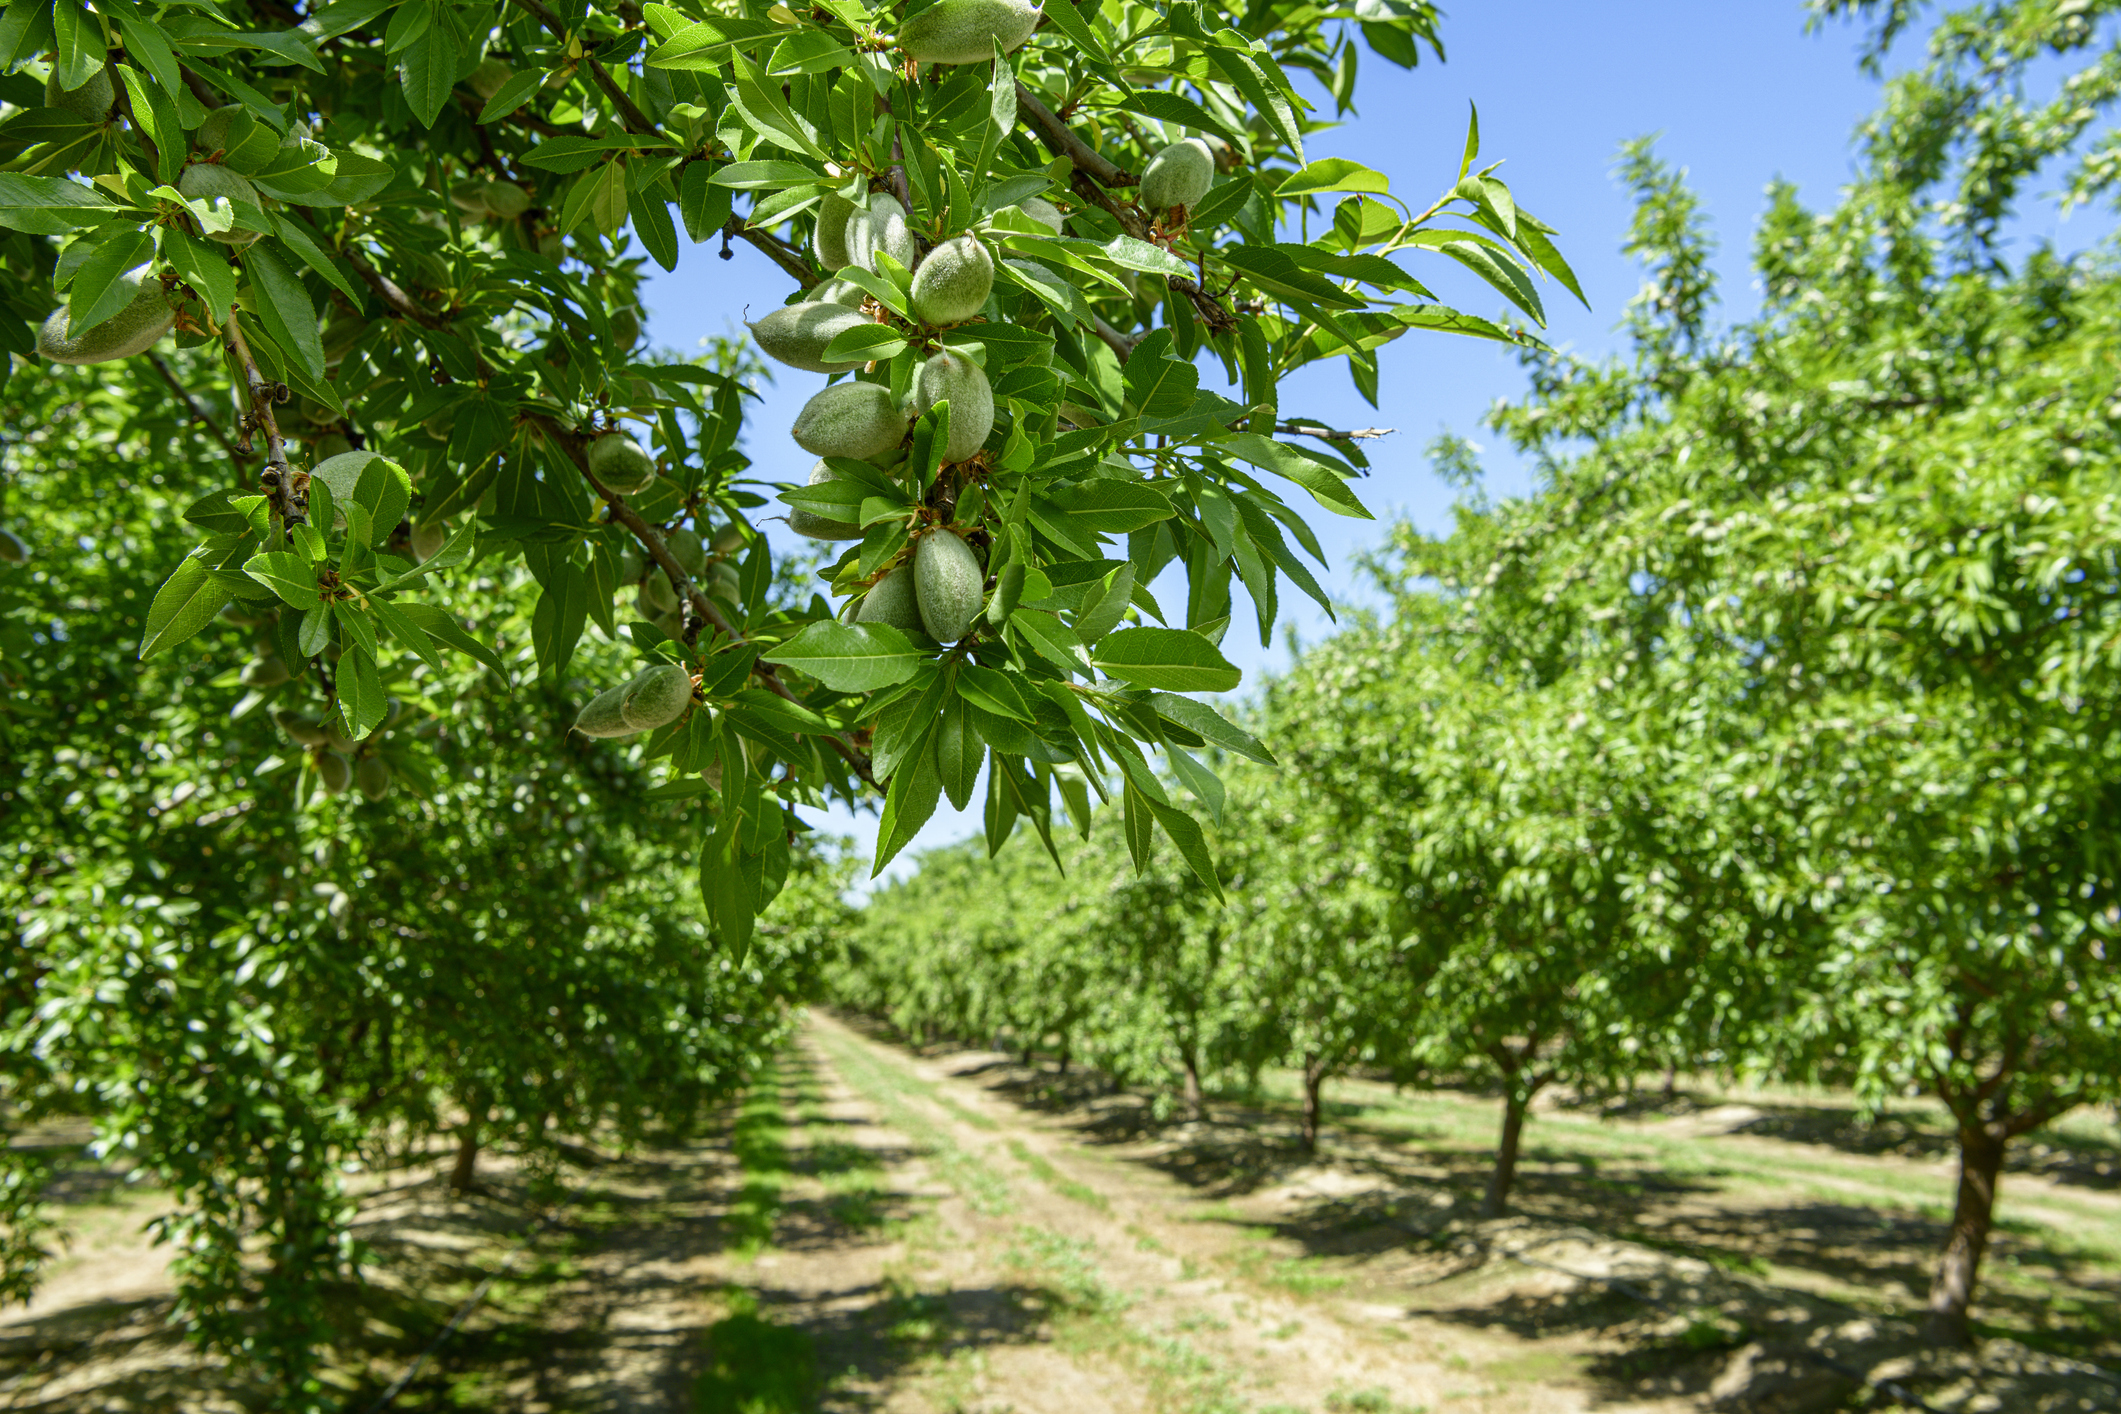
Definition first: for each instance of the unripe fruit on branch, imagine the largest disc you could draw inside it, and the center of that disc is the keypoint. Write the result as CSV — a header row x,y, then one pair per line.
x,y
799,334
657,697
842,292
308,731
819,527
833,214
428,539
213,129
954,281
91,102
892,602
727,539
505,200
605,714
966,31
1044,212
1180,175
133,329
486,80
621,464
946,581
685,547
373,777
964,383
212,184
856,420
330,445
334,773
631,564
882,228
659,593
264,671
625,327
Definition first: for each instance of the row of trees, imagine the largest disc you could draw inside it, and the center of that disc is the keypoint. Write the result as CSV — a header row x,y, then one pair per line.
x,y
304,858
249,986
1776,732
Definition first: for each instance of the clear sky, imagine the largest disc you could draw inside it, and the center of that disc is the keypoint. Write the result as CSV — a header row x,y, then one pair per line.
x,y
1738,94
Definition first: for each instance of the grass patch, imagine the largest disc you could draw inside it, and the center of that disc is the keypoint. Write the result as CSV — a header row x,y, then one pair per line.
x,y
891,1090
755,1366
1059,1182
758,1140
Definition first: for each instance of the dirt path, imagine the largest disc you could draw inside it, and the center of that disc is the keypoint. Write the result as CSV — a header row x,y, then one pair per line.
x,y
888,1232
996,1261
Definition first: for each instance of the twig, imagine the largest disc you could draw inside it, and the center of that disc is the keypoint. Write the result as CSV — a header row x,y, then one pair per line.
x,y
1061,141
198,413
1305,429
290,500
782,253
629,112
1120,344
896,178
576,447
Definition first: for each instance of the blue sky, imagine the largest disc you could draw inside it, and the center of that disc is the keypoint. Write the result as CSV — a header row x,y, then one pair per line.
x,y
1738,94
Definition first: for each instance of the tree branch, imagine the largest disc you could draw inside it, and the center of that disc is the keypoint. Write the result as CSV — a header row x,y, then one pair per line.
x,y
1061,141
576,447
629,112
290,499
1120,344
782,253
198,413
1305,429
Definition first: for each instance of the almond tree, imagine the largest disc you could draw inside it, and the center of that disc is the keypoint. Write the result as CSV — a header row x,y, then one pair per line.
x,y
1866,543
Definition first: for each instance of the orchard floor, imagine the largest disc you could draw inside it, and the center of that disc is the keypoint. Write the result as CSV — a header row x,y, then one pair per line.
x,y
882,1230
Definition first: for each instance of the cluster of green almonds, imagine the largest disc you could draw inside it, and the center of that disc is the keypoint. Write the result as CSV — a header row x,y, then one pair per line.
x,y
338,760
654,697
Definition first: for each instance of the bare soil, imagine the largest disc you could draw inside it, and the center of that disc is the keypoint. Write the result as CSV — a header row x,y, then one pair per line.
x,y
953,1232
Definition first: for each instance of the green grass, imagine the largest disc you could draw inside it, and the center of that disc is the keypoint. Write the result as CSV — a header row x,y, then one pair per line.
x,y
759,1144
755,1366
1059,1182
897,1094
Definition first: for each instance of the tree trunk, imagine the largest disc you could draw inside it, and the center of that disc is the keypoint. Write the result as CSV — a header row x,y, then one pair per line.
x,y
1980,1161
1064,1057
462,1177
1192,1093
1671,1081
1505,1171
1314,1083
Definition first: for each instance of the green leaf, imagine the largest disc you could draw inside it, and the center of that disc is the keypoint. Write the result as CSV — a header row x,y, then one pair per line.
x,y
1130,254
766,176
1185,832
1168,107
430,72
988,689
97,293
1173,659
959,752
1335,174
865,343
286,574
1202,720
440,625
915,788
850,657
362,703
403,629
1322,481
513,94
186,603
1104,606
284,306
1104,506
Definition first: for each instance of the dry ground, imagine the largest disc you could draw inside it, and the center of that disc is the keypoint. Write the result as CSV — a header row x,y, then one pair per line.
x,y
880,1230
